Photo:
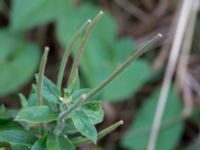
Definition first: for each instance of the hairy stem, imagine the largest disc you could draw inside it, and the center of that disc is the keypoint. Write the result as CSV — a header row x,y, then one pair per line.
x,y
101,134
119,70
41,75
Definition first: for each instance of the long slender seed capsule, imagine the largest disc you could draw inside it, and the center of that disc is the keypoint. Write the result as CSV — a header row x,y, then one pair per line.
x,y
133,57
101,134
82,47
120,69
41,74
68,51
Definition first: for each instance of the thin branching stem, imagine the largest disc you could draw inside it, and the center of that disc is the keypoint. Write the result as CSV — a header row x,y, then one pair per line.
x,y
41,75
119,70
82,47
67,52
64,115
100,135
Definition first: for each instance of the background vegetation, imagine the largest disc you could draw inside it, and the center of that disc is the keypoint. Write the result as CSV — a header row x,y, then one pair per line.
x,y
27,26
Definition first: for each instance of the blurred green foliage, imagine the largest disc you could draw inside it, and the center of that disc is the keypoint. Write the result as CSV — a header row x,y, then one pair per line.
x,y
18,61
171,127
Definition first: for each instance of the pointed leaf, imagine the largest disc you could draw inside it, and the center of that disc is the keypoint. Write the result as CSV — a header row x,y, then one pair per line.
x,y
59,143
23,101
36,114
50,91
84,125
13,134
40,144
94,111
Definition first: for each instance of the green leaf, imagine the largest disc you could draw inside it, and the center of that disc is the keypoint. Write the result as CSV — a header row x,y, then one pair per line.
x,y
19,147
128,82
19,58
84,125
69,127
59,143
36,114
8,114
94,111
171,128
33,97
77,94
23,101
2,109
83,13
40,144
27,14
50,91
13,134
33,100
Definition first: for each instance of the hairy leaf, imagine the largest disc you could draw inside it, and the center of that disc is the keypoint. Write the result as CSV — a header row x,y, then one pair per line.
x,y
13,134
36,114
94,111
84,125
40,144
59,143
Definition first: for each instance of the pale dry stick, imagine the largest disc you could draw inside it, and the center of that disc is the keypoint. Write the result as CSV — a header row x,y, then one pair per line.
x,y
183,61
162,56
134,10
187,43
175,50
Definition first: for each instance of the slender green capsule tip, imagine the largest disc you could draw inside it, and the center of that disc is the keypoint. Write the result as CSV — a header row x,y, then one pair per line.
x,y
121,122
84,96
46,48
160,35
89,21
101,12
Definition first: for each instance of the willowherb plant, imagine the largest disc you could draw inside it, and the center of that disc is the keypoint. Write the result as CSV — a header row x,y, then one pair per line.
x,y
53,118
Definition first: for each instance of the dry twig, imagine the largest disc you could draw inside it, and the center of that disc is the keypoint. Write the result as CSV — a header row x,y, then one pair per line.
x,y
175,50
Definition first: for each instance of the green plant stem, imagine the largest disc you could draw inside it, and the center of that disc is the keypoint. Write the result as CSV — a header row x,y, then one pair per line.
x,y
68,51
64,115
101,134
40,81
120,69
82,47
41,75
